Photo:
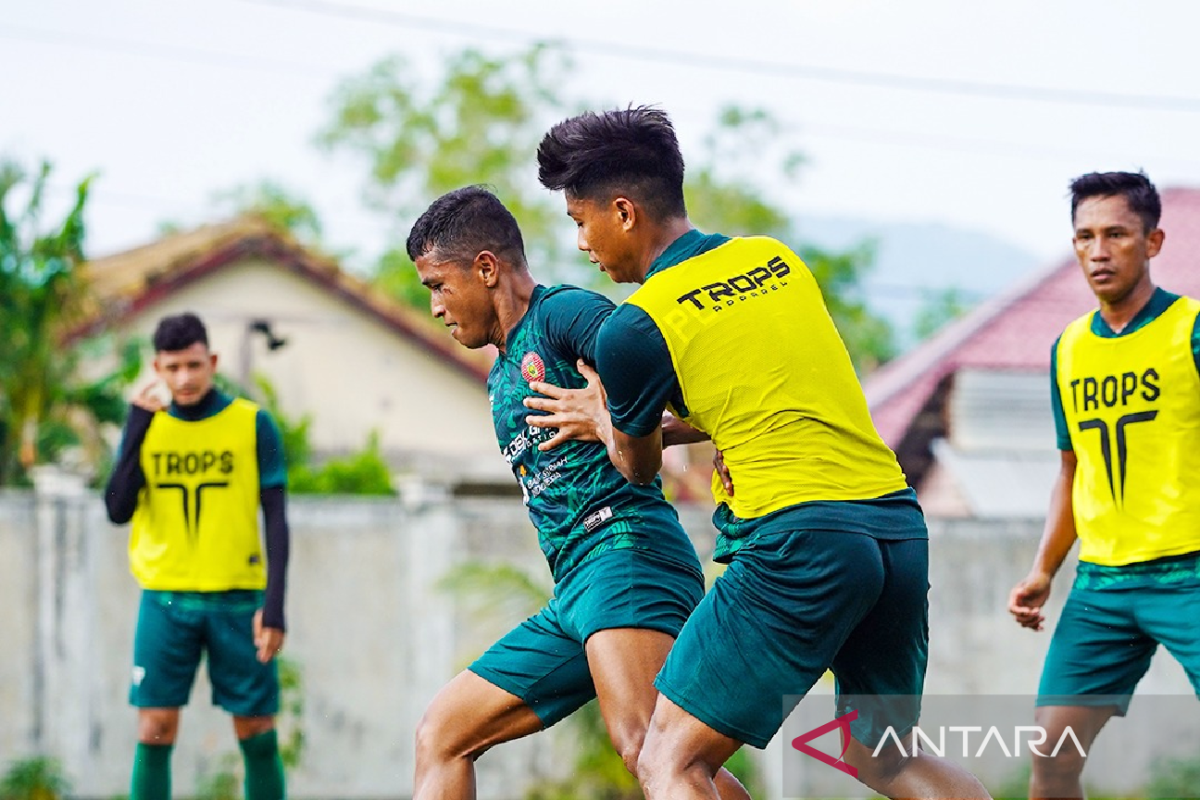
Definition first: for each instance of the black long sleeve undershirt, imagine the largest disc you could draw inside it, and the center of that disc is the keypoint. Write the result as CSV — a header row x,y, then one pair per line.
x,y
274,504
127,479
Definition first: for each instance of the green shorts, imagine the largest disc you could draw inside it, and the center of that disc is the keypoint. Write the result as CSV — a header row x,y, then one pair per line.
x,y
542,660
175,629
792,604
1105,638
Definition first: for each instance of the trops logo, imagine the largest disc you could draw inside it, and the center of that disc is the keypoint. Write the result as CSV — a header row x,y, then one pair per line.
x,y
533,368
755,283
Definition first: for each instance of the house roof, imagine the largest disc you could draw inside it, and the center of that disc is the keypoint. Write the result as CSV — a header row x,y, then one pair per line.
x,y
126,283
1015,330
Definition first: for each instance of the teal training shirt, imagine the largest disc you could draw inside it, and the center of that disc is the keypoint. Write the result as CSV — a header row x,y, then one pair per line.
x,y
578,501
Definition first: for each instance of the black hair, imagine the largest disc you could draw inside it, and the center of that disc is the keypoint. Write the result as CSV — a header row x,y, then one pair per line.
x,y
1135,187
179,332
631,151
461,223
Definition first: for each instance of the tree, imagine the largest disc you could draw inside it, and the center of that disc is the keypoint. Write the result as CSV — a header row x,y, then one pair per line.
x,y
275,203
481,123
939,307
722,194
45,406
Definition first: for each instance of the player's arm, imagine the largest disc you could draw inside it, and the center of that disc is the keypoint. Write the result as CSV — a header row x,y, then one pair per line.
x,y
676,431
269,623
639,379
1028,597
573,320
127,479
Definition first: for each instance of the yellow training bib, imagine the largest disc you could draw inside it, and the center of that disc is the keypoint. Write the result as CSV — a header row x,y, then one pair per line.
x,y
1132,406
196,523
764,372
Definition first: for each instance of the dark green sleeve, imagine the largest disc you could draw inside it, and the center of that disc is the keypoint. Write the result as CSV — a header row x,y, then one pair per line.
x,y
272,468
636,369
1060,418
1196,342
573,317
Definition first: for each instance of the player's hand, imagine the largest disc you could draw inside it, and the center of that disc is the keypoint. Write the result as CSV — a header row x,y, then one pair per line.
x,y
149,398
269,641
1027,598
723,472
580,414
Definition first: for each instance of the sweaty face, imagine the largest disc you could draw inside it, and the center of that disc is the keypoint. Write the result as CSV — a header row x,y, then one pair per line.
x,y
1113,247
459,297
603,233
187,373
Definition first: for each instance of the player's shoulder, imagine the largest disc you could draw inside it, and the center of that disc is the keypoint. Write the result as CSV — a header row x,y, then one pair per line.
x,y
566,297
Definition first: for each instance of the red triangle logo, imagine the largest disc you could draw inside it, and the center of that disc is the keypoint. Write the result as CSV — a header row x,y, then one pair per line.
x,y
842,722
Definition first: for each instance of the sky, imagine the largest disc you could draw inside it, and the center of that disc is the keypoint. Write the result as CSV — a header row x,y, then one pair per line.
x,y
972,115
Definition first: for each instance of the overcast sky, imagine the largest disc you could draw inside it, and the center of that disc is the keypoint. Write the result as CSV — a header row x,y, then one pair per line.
x,y
971,114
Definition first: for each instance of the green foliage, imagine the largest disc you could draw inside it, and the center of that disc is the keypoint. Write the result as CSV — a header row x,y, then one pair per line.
x,y
365,472
1174,777
938,308
278,205
722,195
479,122
38,778
45,407
291,712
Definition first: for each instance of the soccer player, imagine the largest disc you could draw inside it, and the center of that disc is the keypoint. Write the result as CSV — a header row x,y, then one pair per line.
x,y
826,545
192,475
1125,390
626,575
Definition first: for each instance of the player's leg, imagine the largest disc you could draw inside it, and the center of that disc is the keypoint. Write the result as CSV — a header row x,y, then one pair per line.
x,y
1096,657
533,677
881,673
624,662
758,641
1168,614
628,606
246,688
682,756
166,653
465,719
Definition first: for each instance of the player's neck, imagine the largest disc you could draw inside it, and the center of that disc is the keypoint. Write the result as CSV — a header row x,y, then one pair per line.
x,y
659,238
512,304
1119,313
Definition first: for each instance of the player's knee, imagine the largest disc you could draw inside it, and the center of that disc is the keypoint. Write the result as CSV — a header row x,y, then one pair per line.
x,y
1066,766
657,765
877,767
157,727
439,738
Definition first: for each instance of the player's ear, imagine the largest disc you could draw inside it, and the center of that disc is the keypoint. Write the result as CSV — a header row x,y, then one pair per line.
x,y
1154,242
487,267
625,211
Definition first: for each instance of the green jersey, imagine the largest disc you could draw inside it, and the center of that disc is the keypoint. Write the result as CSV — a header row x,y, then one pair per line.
x,y
578,501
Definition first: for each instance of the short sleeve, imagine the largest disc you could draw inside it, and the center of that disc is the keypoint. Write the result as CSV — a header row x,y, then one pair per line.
x,y
573,320
272,467
1062,433
636,369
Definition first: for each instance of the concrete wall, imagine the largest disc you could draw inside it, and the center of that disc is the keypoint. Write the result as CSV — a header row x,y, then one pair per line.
x,y
376,637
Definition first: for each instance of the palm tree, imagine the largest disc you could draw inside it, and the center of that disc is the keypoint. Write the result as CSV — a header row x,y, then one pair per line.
x,y
44,408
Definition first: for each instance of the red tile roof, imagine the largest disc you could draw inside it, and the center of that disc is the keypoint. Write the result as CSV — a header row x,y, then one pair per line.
x,y
1017,329
125,283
